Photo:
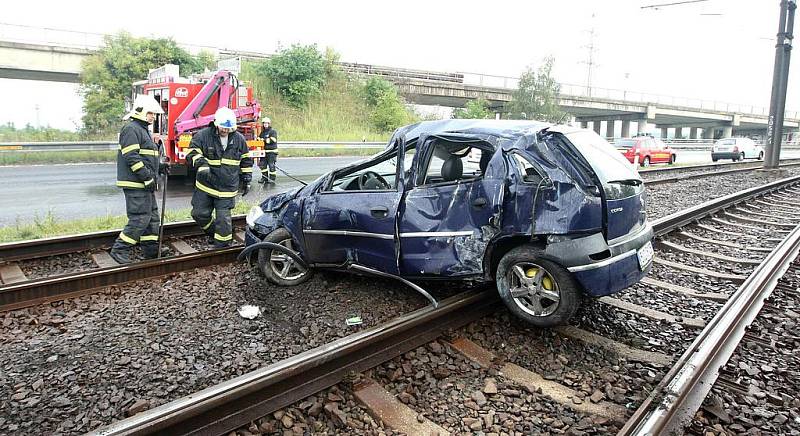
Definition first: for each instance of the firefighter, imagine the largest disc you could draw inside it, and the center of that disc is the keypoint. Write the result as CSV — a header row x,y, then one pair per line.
x,y
270,138
138,165
222,159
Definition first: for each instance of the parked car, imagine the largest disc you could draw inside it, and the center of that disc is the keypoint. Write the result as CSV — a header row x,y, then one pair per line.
x,y
650,150
736,149
548,213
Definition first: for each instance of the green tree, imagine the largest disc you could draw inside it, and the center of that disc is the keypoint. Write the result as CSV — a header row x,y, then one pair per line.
x,y
537,95
107,76
297,73
387,107
474,109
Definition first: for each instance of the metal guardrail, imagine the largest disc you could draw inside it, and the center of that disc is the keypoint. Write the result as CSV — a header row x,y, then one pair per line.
x,y
109,145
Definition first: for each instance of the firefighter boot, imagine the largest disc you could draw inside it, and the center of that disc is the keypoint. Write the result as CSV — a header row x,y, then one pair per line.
x,y
150,251
121,255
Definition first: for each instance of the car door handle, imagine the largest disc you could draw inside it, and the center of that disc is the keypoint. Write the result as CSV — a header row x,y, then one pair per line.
x,y
479,202
379,212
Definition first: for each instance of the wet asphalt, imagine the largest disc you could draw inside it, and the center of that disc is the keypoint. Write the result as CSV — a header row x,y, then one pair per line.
x,y
72,191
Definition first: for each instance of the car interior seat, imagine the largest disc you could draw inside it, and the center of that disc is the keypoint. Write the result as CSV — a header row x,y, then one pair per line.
x,y
452,169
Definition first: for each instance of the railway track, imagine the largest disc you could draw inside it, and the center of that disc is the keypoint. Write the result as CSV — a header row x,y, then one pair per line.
x,y
729,252
93,269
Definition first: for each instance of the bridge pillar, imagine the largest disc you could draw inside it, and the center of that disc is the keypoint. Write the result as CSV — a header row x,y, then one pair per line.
x,y
693,133
664,131
679,133
584,124
708,133
727,131
626,129
596,126
610,128
641,126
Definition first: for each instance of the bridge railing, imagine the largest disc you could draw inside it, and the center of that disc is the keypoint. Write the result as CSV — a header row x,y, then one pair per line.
x,y
573,90
113,145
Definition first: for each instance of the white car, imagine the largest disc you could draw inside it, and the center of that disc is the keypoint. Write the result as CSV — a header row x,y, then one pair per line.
x,y
736,149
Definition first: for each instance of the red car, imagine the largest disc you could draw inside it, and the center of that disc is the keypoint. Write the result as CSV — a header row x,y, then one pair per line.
x,y
649,149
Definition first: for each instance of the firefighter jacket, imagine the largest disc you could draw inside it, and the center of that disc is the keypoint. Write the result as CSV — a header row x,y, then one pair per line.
x,y
270,138
137,158
228,167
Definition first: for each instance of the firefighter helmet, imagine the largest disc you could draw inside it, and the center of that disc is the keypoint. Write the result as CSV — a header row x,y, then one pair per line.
x,y
142,105
224,117
266,120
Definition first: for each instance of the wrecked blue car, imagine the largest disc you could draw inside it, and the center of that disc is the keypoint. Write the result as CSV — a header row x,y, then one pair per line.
x,y
549,213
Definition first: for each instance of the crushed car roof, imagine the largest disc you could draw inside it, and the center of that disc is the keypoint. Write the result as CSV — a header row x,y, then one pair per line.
x,y
501,128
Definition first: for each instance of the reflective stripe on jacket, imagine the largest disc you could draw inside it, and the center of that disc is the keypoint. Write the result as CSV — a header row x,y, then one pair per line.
x,y
227,167
137,156
270,138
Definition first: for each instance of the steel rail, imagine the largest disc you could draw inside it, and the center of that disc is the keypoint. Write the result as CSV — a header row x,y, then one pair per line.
x,y
681,218
751,165
704,175
38,291
34,248
679,395
222,408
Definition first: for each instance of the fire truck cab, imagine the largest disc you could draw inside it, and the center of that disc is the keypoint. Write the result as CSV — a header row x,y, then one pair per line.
x,y
189,105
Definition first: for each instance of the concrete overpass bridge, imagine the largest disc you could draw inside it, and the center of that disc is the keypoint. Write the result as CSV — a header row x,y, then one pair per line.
x,y
598,107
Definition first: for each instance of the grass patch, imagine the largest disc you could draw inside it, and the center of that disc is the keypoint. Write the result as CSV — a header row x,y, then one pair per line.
x,y
56,157
50,225
337,114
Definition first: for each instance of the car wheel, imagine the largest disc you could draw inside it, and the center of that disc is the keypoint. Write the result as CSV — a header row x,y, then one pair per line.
x,y
646,161
536,290
279,268
713,159
672,159
761,155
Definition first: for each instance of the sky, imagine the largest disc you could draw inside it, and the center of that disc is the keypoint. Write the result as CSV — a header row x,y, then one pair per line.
x,y
720,50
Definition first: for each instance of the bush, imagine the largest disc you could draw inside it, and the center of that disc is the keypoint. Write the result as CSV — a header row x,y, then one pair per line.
x,y
474,109
297,73
388,110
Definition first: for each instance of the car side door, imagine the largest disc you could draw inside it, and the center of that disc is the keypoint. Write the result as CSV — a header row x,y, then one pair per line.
x,y
345,223
445,216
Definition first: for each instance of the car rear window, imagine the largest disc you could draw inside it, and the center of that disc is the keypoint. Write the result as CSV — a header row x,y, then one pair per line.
x,y
726,142
625,143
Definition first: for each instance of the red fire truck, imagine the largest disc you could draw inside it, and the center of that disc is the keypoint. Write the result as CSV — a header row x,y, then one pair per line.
x,y
189,105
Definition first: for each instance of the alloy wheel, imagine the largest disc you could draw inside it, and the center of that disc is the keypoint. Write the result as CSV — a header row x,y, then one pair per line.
x,y
534,289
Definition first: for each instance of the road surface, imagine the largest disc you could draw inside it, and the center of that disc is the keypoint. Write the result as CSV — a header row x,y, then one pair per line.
x,y
87,190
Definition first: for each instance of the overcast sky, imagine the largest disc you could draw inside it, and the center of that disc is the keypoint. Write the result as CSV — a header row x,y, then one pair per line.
x,y
715,50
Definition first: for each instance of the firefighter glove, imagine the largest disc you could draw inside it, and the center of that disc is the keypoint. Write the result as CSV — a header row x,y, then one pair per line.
x,y
150,185
245,189
163,168
203,174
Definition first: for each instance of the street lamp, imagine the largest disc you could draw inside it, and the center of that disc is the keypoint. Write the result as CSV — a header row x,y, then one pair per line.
x,y
780,79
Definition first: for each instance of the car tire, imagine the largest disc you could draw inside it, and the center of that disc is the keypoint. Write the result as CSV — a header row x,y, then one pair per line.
x,y
714,159
279,268
672,159
760,155
556,284
645,161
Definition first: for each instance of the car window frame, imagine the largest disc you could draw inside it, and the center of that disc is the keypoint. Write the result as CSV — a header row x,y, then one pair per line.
x,y
325,188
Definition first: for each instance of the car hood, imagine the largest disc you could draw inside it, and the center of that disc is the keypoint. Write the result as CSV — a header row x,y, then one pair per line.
x,y
277,201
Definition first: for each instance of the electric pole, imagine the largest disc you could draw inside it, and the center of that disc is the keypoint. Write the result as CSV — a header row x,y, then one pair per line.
x,y
590,63
780,79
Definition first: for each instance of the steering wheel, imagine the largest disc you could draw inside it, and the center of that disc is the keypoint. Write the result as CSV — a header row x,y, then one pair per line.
x,y
371,176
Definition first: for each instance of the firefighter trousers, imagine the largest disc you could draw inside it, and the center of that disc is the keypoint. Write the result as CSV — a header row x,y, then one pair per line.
x,y
142,227
219,228
268,164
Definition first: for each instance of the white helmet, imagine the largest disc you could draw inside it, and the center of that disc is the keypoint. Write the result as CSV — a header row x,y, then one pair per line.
x,y
224,117
266,120
142,105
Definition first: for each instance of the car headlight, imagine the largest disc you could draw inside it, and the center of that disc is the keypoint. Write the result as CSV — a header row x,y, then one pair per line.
x,y
254,214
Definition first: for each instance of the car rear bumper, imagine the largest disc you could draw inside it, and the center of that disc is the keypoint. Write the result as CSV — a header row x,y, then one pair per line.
x,y
725,155
616,271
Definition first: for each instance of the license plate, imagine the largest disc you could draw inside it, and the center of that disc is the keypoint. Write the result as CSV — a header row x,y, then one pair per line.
x,y
645,255
257,153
